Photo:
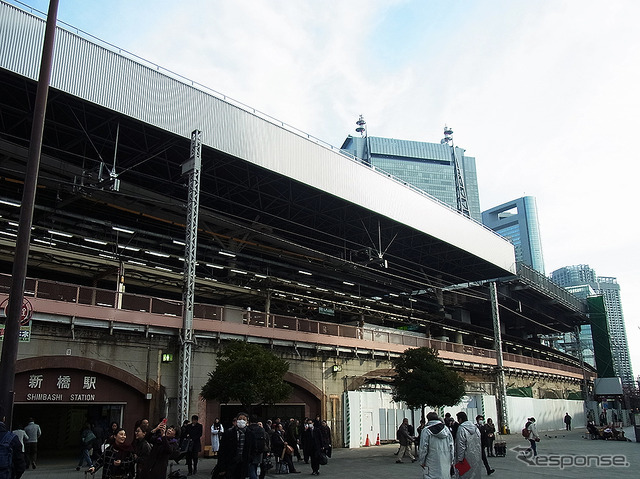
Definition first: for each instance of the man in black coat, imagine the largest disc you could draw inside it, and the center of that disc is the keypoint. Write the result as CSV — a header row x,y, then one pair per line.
x,y
316,446
18,463
193,432
484,442
231,454
255,445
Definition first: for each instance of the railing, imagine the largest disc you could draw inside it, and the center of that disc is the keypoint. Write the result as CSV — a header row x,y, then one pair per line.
x,y
84,295
535,278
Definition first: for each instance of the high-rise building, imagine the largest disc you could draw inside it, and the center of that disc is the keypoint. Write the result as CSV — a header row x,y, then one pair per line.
x,y
609,289
427,166
517,221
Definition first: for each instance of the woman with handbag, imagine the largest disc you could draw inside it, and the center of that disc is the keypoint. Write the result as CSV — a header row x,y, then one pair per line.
x,y
534,438
117,461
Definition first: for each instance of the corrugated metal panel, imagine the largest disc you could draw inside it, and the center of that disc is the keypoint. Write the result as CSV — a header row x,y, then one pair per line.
x,y
20,41
101,76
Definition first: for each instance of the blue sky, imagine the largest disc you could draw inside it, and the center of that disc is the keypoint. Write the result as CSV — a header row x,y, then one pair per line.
x,y
543,93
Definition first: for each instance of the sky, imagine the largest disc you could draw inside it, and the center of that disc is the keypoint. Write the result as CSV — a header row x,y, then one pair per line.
x,y
543,93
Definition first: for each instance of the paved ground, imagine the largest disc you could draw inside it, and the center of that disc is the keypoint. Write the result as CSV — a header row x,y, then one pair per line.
x,y
378,462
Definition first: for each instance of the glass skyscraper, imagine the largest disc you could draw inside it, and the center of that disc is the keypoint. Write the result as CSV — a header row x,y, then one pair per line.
x,y
579,277
427,166
517,221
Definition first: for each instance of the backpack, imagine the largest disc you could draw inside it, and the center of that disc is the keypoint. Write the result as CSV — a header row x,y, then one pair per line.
x,y
259,440
6,456
88,438
525,431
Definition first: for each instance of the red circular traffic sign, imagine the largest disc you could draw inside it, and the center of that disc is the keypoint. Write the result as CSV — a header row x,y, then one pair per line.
x,y
25,312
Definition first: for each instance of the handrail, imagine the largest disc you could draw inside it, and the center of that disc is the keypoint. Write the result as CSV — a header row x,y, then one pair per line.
x,y
103,298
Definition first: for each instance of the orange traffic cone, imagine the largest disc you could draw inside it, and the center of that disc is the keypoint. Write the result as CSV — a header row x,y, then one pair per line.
x,y
367,443
378,440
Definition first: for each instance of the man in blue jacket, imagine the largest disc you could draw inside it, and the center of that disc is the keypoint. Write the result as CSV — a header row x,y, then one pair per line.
x,y
18,465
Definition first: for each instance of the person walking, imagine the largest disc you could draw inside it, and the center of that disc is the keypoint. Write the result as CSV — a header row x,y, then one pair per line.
x,y
231,453
266,457
534,438
316,444
484,442
18,465
436,450
491,436
303,445
31,446
87,438
194,432
217,430
22,436
291,436
325,431
141,446
567,421
255,446
406,441
468,446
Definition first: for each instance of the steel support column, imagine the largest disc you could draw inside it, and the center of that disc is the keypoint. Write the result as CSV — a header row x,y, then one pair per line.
x,y
585,383
21,257
501,389
192,168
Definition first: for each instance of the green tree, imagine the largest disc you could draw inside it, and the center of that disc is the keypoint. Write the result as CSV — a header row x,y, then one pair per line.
x,y
247,373
422,379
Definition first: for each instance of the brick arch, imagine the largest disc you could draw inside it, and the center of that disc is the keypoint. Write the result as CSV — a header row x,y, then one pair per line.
x,y
304,384
74,362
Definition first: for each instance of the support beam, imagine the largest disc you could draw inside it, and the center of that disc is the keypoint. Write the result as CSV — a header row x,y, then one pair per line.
x,y
501,389
193,168
23,240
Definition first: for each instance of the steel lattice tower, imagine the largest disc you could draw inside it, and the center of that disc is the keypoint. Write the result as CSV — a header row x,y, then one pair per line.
x,y
192,168
461,192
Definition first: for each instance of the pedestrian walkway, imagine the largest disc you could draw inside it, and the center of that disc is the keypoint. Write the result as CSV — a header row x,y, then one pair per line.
x,y
571,449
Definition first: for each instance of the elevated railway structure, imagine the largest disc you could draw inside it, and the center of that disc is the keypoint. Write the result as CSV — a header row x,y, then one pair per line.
x,y
288,243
